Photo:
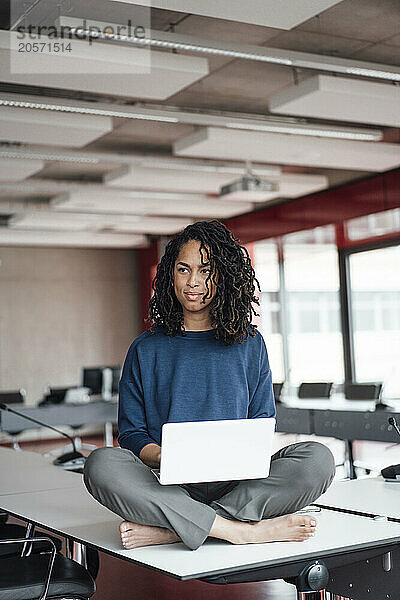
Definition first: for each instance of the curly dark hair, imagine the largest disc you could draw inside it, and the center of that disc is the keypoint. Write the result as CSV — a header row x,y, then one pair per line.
x,y
231,309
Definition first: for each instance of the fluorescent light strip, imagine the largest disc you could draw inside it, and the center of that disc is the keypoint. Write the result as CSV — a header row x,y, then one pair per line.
x,y
265,172
306,63
330,133
137,161
87,111
49,156
278,127
373,73
180,46
50,186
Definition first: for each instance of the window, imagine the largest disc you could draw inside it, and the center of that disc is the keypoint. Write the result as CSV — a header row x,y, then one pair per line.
x,y
308,288
267,272
375,308
387,221
315,351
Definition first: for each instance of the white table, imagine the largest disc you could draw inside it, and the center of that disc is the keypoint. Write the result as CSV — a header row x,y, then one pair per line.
x,y
84,520
369,496
333,403
22,472
73,513
58,501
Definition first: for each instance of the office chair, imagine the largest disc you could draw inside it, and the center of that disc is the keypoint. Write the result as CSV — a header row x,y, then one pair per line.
x,y
54,396
363,391
277,387
315,389
360,391
13,530
46,576
17,397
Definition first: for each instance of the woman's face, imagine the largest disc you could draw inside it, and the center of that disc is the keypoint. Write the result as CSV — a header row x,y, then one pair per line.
x,y
190,273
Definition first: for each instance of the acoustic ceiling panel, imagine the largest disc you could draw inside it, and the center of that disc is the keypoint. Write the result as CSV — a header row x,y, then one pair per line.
x,y
292,185
103,68
342,99
284,14
68,221
174,180
32,126
50,221
151,225
119,204
185,180
74,239
18,169
214,142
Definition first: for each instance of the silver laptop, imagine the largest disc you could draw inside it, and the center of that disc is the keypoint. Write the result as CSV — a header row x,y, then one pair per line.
x,y
201,451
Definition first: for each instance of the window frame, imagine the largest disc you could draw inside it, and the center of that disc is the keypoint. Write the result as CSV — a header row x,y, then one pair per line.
x,y
346,298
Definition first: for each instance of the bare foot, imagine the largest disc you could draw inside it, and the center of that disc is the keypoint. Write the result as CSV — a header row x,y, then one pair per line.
x,y
288,528
134,535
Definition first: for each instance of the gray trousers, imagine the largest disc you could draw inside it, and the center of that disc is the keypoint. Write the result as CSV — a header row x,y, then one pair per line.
x,y
119,480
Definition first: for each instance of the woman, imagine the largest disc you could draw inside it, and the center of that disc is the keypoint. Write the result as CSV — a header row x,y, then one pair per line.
x,y
202,360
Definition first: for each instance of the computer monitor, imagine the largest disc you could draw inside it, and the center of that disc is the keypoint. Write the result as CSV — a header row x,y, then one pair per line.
x,y
92,378
277,387
116,376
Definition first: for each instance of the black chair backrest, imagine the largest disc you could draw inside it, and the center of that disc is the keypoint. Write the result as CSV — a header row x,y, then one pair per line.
x,y
363,391
277,387
314,389
57,395
16,397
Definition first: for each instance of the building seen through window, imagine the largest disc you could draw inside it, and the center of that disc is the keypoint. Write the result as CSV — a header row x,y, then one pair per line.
x,y
375,306
311,278
300,308
302,298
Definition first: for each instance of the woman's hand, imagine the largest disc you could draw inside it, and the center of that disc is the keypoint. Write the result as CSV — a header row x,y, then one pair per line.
x,y
151,455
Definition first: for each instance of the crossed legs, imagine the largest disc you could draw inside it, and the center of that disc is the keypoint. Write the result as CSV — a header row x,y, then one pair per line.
x,y
254,511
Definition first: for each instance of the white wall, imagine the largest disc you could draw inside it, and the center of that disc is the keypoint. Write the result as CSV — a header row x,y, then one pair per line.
x,y
61,309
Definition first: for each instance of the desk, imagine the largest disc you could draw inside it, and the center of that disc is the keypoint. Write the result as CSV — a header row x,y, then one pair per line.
x,y
342,541
87,522
339,418
22,472
96,412
369,496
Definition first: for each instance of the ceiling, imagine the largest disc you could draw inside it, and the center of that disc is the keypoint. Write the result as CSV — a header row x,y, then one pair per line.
x,y
120,143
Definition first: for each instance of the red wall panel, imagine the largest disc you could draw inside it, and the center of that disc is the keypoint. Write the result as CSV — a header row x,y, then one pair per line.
x,y
148,259
392,189
331,206
375,194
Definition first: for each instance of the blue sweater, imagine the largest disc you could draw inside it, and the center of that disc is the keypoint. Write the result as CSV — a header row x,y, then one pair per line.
x,y
190,378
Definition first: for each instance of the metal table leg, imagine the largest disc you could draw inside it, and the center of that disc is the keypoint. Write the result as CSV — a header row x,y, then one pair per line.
x,y
27,547
108,434
77,552
349,460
